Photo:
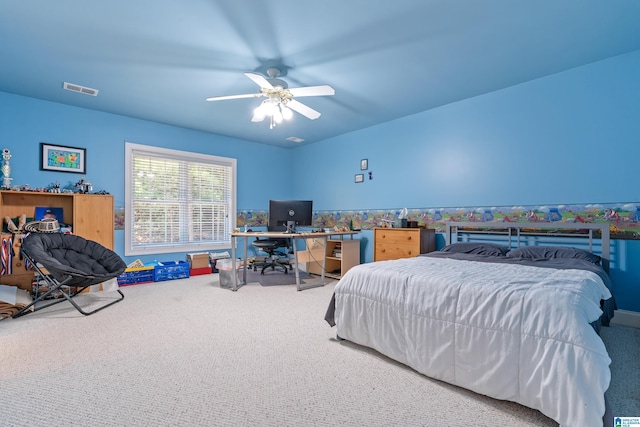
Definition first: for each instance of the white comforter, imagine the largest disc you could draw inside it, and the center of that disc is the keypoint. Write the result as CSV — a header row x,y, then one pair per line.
x,y
511,332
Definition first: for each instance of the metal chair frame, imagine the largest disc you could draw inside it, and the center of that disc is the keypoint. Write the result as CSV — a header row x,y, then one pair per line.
x,y
69,286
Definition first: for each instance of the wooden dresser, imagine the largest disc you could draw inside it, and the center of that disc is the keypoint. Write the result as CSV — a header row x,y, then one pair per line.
x,y
394,243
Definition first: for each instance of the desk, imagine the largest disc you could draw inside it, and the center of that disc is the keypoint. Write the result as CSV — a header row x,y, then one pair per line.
x,y
281,235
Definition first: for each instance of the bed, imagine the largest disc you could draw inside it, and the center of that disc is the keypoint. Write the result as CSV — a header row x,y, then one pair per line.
x,y
496,311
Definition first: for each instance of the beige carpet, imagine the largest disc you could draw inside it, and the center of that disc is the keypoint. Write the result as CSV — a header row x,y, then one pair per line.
x,y
187,353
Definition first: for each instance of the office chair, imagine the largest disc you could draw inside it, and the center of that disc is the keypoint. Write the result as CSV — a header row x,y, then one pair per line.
x,y
275,256
69,264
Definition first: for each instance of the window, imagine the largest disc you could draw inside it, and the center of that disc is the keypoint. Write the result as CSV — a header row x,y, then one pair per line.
x,y
177,201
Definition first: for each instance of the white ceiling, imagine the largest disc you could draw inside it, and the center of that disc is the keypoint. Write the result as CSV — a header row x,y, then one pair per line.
x,y
159,59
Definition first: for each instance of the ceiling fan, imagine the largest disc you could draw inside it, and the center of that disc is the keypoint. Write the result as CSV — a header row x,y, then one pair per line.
x,y
279,98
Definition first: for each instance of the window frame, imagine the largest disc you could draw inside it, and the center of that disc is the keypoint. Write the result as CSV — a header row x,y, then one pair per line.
x,y
138,250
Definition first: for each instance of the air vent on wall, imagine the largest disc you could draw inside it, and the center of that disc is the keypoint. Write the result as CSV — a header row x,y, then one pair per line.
x,y
80,89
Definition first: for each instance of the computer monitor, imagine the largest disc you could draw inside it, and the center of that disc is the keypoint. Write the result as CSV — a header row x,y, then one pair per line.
x,y
285,215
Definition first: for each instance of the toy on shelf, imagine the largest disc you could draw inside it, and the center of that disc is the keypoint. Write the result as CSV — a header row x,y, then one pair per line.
x,y
6,169
54,188
83,186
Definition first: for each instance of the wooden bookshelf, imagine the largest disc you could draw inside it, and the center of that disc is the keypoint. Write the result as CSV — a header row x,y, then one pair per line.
x,y
89,215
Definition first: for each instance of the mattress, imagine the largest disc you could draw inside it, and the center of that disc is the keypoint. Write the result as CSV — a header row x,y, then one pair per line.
x,y
507,330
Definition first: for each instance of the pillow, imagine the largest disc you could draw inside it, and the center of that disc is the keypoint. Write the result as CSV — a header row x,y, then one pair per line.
x,y
540,252
476,248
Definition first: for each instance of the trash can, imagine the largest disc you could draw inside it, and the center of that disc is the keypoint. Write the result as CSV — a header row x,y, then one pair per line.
x,y
214,257
226,272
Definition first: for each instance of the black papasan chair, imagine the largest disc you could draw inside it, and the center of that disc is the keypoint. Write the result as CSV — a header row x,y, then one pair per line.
x,y
71,265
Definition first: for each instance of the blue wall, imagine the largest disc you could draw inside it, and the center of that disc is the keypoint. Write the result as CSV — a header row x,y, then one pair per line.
x,y
25,122
567,138
572,137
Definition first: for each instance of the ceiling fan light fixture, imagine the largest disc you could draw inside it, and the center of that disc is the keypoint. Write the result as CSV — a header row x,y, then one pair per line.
x,y
259,113
287,114
270,107
279,103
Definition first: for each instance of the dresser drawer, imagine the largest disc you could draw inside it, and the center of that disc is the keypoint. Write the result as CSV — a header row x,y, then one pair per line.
x,y
394,243
395,251
398,235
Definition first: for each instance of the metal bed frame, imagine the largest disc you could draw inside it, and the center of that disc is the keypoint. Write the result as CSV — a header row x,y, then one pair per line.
x,y
517,231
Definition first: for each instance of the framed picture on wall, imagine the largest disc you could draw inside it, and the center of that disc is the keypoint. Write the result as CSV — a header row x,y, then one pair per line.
x,y
364,164
62,159
359,178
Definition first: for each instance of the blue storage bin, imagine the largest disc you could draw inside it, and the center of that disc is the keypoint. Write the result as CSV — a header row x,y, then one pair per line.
x,y
136,275
170,270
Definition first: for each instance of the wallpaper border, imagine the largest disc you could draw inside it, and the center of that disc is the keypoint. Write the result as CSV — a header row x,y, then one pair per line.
x,y
623,218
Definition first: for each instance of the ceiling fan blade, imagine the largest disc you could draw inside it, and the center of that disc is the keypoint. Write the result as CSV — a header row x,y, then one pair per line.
x,y
259,80
323,90
224,98
308,112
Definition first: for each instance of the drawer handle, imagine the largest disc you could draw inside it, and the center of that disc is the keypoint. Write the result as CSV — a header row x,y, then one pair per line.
x,y
409,238
409,252
383,250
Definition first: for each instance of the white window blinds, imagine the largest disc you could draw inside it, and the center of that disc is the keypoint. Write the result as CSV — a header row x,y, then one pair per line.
x,y
178,201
